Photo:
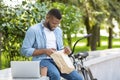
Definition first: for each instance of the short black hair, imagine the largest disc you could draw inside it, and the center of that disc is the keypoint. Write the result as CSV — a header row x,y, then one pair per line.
x,y
56,13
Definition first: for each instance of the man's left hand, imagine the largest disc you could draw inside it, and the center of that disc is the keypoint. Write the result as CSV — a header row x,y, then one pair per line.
x,y
67,50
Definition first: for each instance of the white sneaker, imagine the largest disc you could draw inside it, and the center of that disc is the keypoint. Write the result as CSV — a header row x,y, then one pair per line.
x,y
44,78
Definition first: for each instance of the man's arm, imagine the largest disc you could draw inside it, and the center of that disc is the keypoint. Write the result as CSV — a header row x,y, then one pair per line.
x,y
28,42
45,51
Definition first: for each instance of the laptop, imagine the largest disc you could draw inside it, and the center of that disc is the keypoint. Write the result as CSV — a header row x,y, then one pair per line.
x,y
25,70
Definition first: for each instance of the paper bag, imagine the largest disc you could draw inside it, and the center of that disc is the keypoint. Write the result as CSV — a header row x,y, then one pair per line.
x,y
63,62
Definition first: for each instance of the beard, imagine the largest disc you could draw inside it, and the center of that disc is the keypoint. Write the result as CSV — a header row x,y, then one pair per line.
x,y
49,27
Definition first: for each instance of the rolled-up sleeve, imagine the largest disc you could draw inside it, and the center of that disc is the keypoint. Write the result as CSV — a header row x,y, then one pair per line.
x,y
59,38
27,49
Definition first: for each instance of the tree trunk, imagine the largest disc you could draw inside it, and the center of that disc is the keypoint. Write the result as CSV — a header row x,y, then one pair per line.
x,y
94,37
86,22
110,38
110,32
88,29
98,37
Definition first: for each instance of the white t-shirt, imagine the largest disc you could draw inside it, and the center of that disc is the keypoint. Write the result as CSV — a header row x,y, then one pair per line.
x,y
51,39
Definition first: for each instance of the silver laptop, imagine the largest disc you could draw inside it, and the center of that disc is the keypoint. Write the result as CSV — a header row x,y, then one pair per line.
x,y
25,70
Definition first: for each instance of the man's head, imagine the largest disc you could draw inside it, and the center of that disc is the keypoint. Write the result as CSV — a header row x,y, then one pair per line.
x,y
53,19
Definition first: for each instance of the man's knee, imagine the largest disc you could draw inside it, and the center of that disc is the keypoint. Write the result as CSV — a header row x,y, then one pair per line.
x,y
44,62
76,75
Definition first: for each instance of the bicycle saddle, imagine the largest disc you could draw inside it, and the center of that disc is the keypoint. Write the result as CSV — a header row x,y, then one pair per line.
x,y
81,55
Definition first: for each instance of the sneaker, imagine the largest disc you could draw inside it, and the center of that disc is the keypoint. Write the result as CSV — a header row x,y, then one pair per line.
x,y
44,78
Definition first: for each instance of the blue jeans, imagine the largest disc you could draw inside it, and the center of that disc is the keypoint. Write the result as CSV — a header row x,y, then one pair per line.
x,y
54,73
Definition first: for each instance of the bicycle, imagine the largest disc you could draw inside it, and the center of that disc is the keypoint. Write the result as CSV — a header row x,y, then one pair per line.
x,y
78,62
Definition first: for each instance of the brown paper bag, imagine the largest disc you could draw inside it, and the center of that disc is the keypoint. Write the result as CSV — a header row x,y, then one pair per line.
x,y
63,62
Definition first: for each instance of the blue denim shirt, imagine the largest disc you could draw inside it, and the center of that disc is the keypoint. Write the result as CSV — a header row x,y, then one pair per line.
x,y
35,39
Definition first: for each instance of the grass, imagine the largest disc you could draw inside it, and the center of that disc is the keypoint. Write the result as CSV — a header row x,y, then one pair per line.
x,y
81,46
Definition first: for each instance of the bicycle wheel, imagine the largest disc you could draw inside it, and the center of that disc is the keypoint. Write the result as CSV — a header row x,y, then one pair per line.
x,y
87,74
82,72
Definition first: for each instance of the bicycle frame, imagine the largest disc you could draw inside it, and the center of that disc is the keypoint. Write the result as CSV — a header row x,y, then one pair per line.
x,y
79,66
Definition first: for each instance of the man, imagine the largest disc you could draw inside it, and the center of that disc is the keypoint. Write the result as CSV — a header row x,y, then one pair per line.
x,y
42,39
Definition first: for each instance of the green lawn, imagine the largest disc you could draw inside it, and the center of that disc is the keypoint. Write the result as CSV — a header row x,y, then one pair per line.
x,y
81,46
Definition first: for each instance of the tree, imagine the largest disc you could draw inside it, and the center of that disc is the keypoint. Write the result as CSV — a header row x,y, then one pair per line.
x,y
13,25
95,14
113,8
71,19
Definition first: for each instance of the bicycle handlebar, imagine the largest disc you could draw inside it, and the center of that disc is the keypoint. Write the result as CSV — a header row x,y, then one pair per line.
x,y
77,42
